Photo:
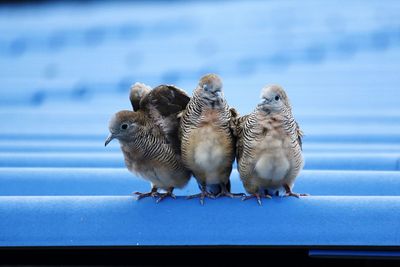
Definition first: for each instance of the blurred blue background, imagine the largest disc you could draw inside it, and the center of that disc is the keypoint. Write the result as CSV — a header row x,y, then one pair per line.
x,y
66,67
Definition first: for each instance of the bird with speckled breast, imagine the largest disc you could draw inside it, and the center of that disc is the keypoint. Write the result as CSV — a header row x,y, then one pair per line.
x,y
208,141
269,147
149,138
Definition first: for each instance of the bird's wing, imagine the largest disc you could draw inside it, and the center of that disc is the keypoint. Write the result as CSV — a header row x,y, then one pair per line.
x,y
162,105
233,121
239,135
137,92
300,135
165,100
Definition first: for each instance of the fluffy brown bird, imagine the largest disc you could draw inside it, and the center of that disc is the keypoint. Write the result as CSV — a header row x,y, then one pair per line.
x,y
149,138
208,142
269,146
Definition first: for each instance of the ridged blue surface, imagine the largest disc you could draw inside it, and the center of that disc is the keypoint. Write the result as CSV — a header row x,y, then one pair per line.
x,y
66,68
113,220
113,181
322,161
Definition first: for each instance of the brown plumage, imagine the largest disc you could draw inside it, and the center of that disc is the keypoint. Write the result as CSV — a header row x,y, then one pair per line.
x,y
208,143
269,146
149,138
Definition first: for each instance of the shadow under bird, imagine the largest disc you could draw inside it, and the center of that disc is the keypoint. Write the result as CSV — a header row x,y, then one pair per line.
x,y
269,146
208,141
149,138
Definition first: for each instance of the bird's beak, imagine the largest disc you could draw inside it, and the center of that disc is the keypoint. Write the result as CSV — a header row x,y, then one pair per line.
x,y
264,103
109,138
218,93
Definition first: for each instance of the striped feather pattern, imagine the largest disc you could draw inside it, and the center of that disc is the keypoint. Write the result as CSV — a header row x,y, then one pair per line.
x,y
197,116
152,145
194,115
251,133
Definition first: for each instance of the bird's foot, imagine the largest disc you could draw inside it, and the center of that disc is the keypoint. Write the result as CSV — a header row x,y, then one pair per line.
x,y
297,195
201,196
290,193
153,194
258,196
165,195
231,195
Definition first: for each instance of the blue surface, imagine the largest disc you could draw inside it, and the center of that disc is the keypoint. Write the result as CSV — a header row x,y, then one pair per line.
x,y
119,181
322,161
112,220
85,146
65,68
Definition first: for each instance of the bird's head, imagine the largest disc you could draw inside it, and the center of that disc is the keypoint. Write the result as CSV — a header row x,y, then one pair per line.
x,y
122,126
210,87
273,99
137,92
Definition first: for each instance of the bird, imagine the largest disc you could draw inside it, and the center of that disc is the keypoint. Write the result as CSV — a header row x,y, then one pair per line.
x,y
208,140
149,140
269,146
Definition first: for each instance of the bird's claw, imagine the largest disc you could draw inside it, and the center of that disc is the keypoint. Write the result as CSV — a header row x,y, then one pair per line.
x,y
258,196
202,196
165,195
290,193
148,194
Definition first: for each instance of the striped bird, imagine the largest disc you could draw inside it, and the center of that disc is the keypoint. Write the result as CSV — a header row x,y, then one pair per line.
x,y
149,138
269,146
208,143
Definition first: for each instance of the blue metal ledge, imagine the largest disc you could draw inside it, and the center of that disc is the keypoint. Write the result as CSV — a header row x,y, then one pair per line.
x,y
122,221
103,181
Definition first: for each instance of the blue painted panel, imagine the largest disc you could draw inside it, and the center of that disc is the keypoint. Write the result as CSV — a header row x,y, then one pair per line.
x,y
103,181
62,160
106,159
352,161
102,221
337,147
90,146
47,146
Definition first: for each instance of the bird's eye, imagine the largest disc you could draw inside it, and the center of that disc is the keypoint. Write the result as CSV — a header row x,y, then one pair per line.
x,y
124,126
277,98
